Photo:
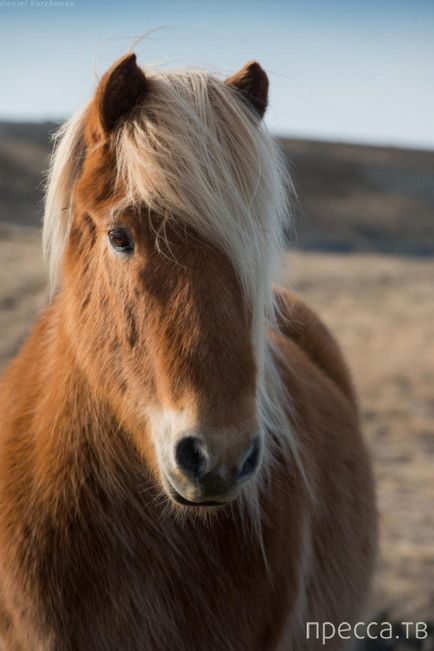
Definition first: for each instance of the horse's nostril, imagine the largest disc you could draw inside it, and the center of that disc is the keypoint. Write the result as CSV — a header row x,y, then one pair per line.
x,y
190,457
251,462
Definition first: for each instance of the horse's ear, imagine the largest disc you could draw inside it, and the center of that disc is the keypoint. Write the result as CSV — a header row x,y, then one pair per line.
x,y
120,90
252,82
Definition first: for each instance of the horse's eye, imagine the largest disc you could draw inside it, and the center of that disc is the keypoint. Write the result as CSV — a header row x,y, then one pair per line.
x,y
121,240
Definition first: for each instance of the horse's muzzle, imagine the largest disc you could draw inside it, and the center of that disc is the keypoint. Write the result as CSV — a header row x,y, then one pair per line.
x,y
196,481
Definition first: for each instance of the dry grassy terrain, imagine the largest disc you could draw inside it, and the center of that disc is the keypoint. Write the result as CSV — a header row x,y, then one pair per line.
x,y
381,309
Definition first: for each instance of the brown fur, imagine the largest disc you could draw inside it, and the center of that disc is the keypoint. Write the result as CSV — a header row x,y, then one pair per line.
x,y
252,84
92,555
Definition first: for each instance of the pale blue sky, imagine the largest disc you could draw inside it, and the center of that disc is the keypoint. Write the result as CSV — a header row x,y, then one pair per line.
x,y
354,70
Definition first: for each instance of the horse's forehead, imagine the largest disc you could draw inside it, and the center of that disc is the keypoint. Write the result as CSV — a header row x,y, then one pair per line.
x,y
97,187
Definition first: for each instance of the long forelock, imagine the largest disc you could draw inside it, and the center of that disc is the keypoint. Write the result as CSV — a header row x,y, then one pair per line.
x,y
195,152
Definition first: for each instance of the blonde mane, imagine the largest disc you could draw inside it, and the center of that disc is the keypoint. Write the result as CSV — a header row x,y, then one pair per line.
x,y
196,153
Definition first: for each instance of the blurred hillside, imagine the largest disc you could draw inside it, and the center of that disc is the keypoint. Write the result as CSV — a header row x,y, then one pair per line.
x,y
24,154
351,197
359,198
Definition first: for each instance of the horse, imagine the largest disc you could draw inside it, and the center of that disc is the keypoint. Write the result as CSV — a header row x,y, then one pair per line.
x,y
181,462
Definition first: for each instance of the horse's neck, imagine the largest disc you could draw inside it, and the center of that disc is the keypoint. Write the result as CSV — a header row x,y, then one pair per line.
x,y
68,430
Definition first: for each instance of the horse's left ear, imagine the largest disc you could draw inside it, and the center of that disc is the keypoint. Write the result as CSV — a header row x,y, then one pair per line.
x,y
120,90
252,82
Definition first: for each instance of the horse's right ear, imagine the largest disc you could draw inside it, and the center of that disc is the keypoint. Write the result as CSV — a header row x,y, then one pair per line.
x,y
252,83
120,90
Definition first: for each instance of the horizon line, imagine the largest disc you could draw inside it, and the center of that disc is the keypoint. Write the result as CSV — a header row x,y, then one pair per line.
x,y
380,143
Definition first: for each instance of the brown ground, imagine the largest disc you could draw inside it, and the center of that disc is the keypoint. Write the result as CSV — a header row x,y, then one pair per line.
x,y
381,309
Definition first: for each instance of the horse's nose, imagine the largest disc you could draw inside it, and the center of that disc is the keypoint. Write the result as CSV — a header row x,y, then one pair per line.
x,y
194,460
191,458
250,461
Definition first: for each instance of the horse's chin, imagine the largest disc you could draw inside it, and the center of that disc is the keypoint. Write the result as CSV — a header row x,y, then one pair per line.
x,y
178,498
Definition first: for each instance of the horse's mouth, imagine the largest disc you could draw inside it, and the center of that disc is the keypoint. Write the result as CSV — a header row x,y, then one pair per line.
x,y
180,499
